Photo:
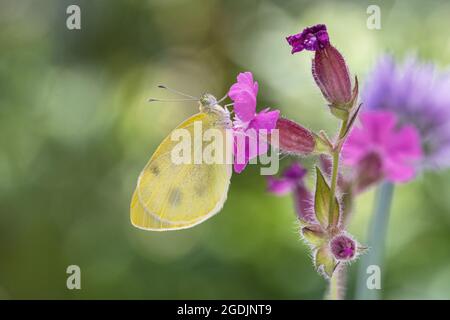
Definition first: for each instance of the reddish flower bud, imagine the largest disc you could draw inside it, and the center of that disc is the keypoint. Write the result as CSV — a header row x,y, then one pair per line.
x,y
294,138
331,75
328,68
303,200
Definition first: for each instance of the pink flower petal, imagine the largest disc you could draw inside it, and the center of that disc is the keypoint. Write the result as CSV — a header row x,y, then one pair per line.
x,y
247,79
265,120
240,150
295,172
398,172
291,178
378,124
397,149
356,146
243,93
405,143
256,143
279,186
238,168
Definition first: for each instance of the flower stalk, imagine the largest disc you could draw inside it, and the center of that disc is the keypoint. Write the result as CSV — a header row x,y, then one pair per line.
x,y
377,149
376,241
336,288
335,168
333,185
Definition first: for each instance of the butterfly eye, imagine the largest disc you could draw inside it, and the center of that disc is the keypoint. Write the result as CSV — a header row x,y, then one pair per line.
x,y
208,100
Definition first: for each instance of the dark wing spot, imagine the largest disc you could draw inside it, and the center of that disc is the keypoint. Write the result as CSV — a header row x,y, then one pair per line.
x,y
154,169
175,197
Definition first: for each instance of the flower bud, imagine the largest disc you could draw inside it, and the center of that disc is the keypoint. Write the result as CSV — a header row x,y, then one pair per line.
x,y
328,68
294,138
343,247
303,200
331,75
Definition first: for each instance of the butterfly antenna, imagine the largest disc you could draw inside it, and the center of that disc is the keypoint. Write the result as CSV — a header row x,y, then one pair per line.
x,y
177,92
169,100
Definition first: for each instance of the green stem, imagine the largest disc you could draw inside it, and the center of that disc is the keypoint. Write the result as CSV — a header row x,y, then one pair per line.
x,y
336,287
376,242
334,176
333,288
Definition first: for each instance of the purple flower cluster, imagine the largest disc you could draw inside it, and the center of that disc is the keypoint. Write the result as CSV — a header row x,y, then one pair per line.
x,y
419,96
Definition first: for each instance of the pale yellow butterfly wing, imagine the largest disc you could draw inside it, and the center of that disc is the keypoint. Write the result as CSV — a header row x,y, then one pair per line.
x,y
176,196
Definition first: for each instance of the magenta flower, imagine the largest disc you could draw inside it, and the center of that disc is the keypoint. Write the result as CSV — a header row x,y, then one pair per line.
x,y
311,38
292,181
380,150
250,129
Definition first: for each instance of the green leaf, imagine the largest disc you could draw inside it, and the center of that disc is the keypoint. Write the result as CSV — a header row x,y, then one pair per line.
x,y
324,261
314,235
351,121
322,202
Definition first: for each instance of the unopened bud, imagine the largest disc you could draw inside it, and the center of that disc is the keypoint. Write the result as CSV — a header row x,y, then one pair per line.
x,y
293,138
343,247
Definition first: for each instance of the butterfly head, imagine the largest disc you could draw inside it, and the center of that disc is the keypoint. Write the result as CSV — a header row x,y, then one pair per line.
x,y
207,101
209,104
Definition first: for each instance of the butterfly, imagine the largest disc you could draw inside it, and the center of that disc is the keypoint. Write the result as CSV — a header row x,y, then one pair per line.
x,y
173,196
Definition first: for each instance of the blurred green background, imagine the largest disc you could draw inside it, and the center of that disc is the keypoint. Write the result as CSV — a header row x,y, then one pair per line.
x,y
75,131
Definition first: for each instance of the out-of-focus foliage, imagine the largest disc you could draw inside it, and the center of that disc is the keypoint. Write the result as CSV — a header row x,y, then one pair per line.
x,y
75,130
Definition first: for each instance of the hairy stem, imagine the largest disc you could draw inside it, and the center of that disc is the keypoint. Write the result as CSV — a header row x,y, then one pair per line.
x,y
376,242
336,287
334,175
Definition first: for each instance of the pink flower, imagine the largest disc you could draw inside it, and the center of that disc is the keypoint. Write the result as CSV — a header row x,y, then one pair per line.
x,y
250,129
291,178
293,181
391,151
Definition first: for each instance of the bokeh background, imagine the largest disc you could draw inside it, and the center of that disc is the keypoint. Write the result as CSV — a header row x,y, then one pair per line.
x,y
75,131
